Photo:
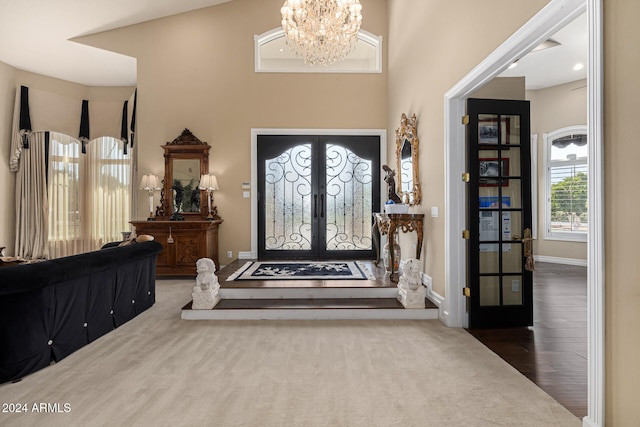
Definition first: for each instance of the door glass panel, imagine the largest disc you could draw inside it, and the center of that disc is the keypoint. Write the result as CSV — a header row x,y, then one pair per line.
x,y
512,290
493,227
349,189
487,129
512,194
512,258
511,161
489,196
515,231
489,290
288,200
510,130
489,262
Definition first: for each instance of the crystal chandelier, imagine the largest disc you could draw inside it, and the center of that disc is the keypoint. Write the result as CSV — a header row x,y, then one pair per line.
x,y
321,31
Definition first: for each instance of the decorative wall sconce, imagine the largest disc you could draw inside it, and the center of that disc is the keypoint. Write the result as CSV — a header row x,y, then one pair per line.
x,y
209,183
150,183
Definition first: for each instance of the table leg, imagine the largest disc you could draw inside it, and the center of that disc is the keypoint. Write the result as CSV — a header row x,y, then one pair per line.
x,y
392,252
420,236
375,235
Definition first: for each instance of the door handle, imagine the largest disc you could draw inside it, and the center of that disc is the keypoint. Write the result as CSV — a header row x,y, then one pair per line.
x,y
315,206
322,206
528,250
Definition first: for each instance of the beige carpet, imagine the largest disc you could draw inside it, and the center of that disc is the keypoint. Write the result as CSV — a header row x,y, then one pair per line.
x,y
158,370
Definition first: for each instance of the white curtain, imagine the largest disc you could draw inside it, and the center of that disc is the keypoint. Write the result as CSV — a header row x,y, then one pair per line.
x,y
65,192
31,201
89,194
83,201
108,191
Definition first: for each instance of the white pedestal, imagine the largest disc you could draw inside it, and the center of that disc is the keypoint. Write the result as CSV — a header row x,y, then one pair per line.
x,y
205,300
410,298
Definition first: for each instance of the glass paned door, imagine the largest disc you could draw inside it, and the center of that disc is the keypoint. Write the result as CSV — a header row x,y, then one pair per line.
x,y
317,196
499,213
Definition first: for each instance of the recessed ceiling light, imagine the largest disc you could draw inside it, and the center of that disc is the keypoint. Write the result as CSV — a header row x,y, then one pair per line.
x,y
281,50
513,65
579,66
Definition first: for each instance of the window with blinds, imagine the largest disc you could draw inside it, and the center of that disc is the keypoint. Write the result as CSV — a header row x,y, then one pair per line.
x,y
566,184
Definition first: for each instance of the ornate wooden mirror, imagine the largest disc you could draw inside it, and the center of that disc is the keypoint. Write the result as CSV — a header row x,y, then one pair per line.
x,y
407,161
186,158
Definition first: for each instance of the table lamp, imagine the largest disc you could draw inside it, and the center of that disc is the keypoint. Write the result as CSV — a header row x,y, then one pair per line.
x,y
209,183
150,183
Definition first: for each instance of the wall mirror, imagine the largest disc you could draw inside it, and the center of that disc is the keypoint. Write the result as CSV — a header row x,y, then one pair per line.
x,y
186,158
408,186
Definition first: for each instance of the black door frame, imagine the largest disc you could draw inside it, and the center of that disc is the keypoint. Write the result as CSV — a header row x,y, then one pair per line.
x,y
359,143
499,315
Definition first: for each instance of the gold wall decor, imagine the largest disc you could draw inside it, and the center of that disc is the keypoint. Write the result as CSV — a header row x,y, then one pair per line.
x,y
407,161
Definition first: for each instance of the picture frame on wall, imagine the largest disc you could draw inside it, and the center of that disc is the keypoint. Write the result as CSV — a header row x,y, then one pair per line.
x,y
491,169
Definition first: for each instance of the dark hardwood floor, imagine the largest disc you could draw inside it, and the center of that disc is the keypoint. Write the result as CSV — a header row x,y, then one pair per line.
x,y
553,352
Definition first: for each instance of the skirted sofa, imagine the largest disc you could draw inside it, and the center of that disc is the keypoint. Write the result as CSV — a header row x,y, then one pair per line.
x,y
50,309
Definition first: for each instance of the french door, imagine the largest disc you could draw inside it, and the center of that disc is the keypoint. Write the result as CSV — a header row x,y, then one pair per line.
x,y
316,196
499,245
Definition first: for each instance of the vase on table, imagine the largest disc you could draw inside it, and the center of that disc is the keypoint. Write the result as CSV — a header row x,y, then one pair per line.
x,y
386,254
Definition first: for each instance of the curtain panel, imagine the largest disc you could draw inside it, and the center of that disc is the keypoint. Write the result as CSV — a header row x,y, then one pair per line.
x,y
89,194
58,113
32,201
54,194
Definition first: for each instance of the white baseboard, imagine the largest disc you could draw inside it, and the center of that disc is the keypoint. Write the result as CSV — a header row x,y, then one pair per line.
x,y
588,422
435,297
558,260
246,255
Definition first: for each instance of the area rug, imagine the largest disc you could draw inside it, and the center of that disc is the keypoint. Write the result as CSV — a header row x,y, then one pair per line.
x,y
302,270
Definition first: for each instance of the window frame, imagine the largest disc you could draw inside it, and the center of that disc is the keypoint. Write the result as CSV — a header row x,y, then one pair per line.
x,y
548,138
298,66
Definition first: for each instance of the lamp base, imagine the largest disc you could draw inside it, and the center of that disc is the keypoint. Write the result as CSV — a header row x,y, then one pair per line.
x,y
151,217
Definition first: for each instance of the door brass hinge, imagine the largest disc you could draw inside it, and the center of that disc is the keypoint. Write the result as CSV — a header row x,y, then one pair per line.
x,y
466,177
465,120
466,291
466,234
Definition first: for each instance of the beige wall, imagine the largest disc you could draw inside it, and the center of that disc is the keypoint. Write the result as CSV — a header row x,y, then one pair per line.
x,y
7,179
502,88
432,45
203,78
621,160
551,109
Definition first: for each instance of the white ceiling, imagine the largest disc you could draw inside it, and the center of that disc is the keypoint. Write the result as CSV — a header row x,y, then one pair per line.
x,y
36,37
554,66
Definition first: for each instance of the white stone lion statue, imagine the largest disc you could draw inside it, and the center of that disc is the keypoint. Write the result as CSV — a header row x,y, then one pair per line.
x,y
205,292
206,279
410,278
411,293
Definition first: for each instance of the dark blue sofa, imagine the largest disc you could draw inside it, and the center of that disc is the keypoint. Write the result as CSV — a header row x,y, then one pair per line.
x,y
51,308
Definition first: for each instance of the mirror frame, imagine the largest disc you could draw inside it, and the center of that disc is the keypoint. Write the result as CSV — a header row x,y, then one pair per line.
x,y
408,132
185,146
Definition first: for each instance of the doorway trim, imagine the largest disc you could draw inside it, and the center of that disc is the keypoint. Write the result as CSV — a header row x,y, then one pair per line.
x,y
382,133
555,15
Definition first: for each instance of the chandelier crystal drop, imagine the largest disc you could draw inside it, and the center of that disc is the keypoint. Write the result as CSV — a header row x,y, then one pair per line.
x,y
321,31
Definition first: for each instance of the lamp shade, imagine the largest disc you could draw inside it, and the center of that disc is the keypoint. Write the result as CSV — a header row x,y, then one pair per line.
x,y
150,182
208,182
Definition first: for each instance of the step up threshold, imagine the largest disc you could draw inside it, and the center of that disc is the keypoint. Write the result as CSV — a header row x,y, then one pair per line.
x,y
367,308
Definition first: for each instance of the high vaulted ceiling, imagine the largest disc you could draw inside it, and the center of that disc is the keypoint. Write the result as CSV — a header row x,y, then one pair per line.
x,y
36,36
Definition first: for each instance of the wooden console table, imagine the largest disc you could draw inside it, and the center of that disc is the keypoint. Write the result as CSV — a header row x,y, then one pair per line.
x,y
192,240
388,224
